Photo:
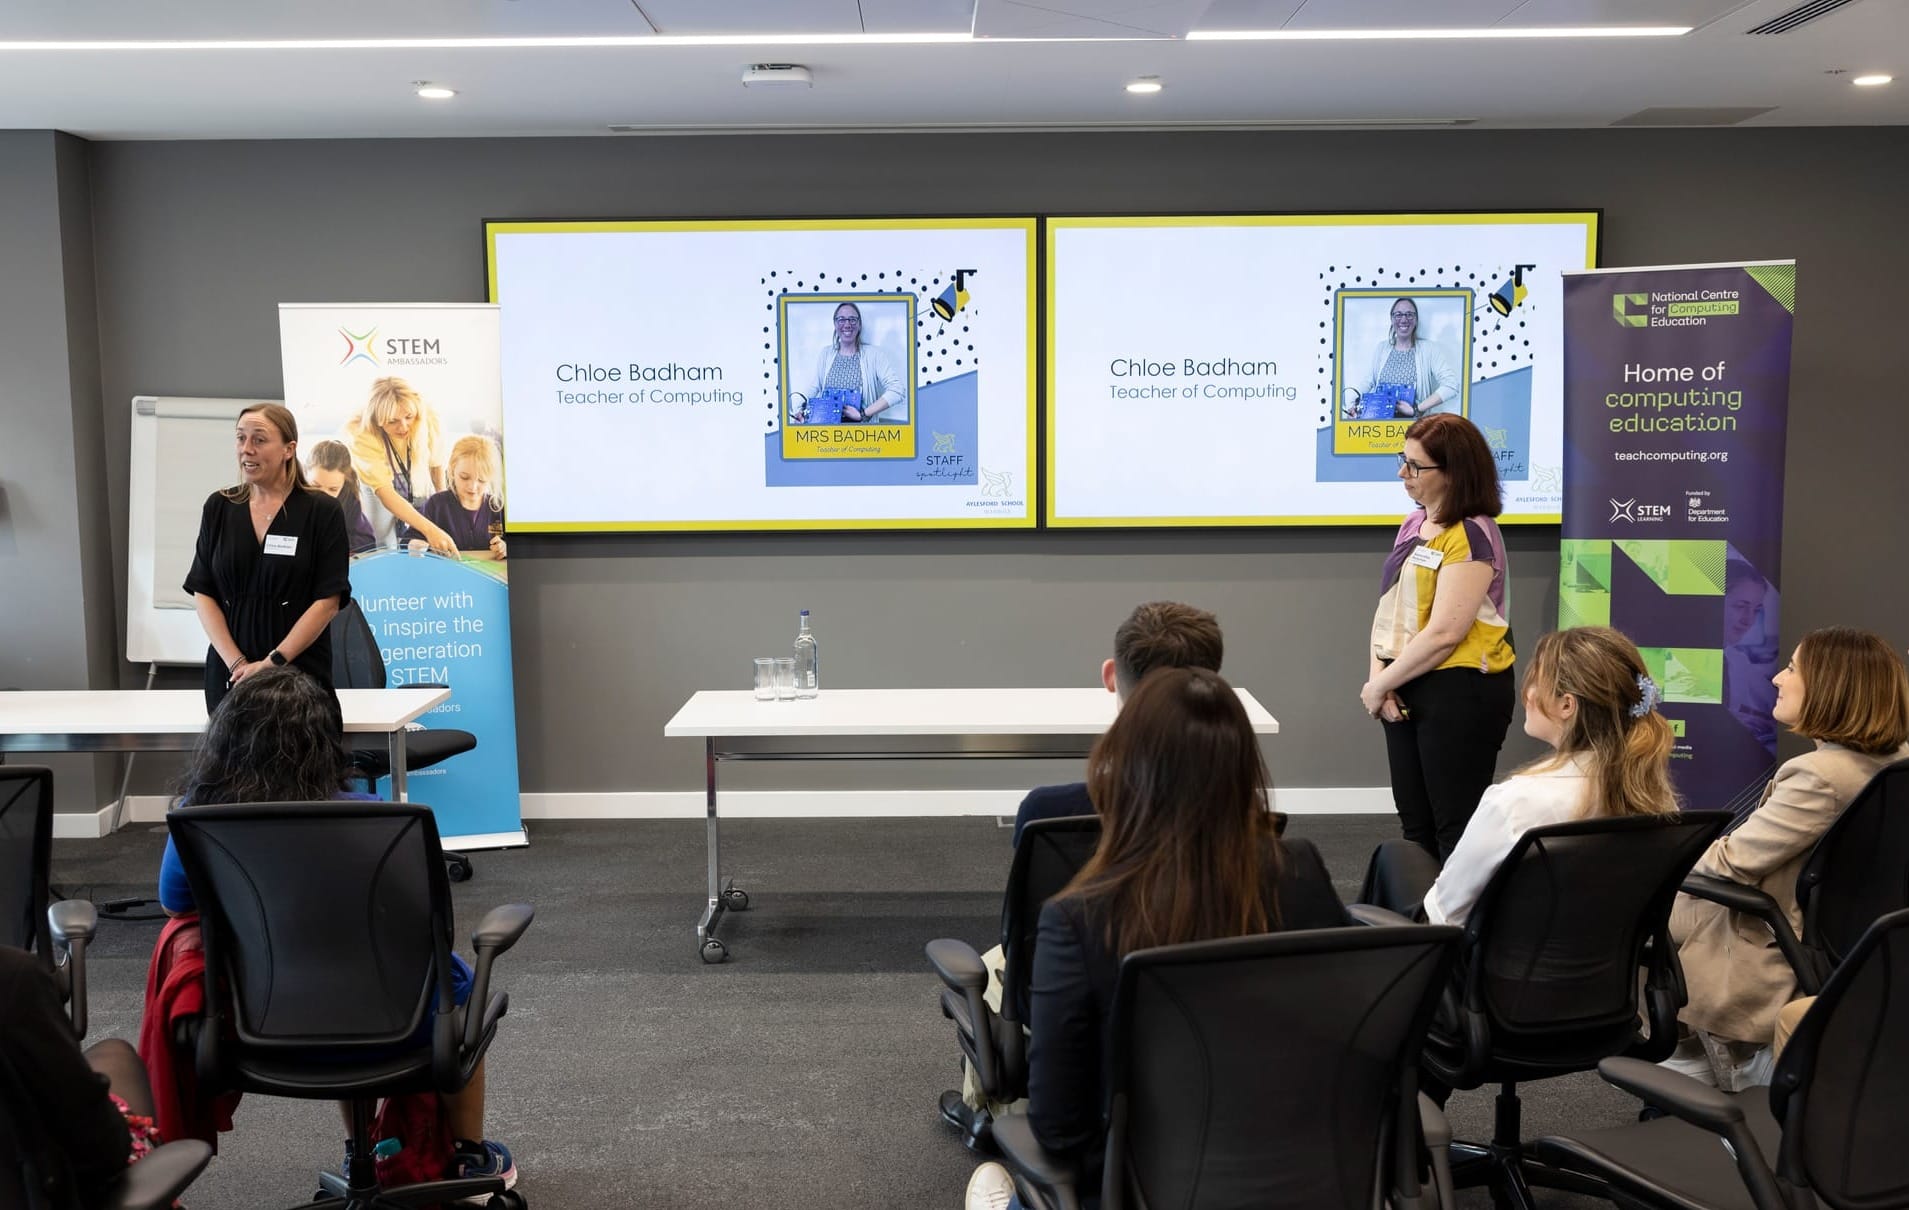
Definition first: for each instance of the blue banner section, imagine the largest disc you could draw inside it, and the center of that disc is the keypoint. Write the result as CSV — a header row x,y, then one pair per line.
x,y
1500,407
945,448
1676,403
440,620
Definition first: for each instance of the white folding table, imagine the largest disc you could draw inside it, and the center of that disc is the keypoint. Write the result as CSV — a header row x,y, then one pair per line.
x,y
886,724
171,720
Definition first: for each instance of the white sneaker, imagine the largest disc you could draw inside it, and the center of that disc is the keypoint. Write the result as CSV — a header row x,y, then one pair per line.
x,y
990,1188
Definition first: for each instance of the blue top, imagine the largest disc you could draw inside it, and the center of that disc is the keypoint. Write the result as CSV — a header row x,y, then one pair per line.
x,y
1052,802
175,895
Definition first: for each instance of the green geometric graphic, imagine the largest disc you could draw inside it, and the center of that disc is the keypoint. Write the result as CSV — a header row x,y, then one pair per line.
x,y
1620,310
1779,280
1584,582
1686,674
1681,569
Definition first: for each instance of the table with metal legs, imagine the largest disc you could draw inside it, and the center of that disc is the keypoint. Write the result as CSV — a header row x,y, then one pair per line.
x,y
883,725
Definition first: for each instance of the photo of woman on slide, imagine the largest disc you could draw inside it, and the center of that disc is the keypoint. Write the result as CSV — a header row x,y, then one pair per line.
x,y
394,449
849,363
1405,358
470,510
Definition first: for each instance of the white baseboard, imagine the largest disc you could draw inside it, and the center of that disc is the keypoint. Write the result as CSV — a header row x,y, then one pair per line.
x,y
765,804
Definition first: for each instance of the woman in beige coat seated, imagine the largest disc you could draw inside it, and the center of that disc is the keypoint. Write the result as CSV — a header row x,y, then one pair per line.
x,y
1847,690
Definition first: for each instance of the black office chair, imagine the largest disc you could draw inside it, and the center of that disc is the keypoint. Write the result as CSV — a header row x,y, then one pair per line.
x,y
1260,1071
1050,853
1857,873
327,946
357,663
57,932
1547,980
1828,1128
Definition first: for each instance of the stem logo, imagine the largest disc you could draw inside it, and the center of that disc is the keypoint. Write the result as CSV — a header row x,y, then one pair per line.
x,y
1621,305
358,346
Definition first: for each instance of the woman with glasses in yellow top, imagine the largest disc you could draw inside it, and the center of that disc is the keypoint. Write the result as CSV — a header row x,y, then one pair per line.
x,y
1439,676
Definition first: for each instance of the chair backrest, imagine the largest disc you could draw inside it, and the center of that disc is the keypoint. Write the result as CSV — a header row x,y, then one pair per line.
x,y
327,927
356,662
1269,1070
1841,1087
1859,870
1050,853
26,851
1554,945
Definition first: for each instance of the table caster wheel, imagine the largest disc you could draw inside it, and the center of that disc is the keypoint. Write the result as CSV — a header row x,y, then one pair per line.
x,y
458,871
714,950
735,899
510,1199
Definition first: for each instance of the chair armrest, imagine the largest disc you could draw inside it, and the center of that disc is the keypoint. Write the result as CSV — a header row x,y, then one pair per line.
x,y
501,927
496,932
1752,902
961,969
1674,1093
1371,914
1436,1131
72,919
72,923
959,966
159,1177
1050,1177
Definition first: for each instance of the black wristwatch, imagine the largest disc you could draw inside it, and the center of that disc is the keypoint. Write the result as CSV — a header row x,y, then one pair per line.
x,y
277,657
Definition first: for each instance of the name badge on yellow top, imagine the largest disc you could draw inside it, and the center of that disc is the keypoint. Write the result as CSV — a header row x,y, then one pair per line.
x,y
1427,558
283,544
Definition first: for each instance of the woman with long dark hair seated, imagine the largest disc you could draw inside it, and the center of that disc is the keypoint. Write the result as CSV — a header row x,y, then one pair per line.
x,y
279,737
1188,852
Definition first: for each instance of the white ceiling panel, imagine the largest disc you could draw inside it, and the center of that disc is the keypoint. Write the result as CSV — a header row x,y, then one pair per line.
x,y
140,20
1085,18
1399,14
743,16
917,16
1248,14
1626,12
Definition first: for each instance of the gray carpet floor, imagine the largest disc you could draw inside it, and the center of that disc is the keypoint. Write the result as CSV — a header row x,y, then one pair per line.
x,y
802,1073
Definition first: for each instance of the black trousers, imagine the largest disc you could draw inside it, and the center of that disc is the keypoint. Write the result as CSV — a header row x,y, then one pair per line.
x,y
1444,755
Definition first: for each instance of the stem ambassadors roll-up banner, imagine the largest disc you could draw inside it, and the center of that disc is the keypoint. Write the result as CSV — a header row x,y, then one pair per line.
x,y
1676,397
400,414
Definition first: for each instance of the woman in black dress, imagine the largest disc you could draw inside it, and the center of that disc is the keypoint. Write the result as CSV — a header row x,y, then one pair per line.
x,y
269,569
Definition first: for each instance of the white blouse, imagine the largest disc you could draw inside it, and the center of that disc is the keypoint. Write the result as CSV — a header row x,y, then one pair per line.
x,y
1506,812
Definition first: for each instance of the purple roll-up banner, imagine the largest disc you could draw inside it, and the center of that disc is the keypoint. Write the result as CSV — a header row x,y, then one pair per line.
x,y
1676,401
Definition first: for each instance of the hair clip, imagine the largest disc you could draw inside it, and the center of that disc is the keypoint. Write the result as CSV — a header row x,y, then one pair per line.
x,y
1648,696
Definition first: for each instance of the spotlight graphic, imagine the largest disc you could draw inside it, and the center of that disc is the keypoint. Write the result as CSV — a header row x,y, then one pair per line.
x,y
1513,292
954,298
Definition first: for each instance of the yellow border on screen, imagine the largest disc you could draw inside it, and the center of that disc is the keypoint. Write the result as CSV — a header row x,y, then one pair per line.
x,y
1028,225
1469,218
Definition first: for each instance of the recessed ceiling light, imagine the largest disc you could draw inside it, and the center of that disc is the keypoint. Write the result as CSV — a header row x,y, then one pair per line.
x,y
435,92
1393,35
1871,81
1145,85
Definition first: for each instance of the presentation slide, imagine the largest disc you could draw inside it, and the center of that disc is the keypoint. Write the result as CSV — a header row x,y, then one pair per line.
x,y
803,374
1262,370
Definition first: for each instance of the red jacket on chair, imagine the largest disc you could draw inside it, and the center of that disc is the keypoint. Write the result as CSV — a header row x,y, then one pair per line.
x,y
175,993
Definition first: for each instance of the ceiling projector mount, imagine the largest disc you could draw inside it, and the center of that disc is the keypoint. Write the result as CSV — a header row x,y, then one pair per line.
x,y
776,75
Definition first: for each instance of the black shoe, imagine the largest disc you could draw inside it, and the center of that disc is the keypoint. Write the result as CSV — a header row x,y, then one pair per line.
x,y
976,1126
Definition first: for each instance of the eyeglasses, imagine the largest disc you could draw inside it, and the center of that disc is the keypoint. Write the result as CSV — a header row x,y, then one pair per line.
x,y
846,319
1398,315
1414,469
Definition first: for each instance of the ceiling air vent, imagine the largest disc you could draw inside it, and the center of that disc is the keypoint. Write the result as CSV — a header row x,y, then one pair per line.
x,y
1799,15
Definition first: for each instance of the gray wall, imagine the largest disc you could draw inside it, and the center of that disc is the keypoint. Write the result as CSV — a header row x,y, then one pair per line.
x,y
197,242
56,612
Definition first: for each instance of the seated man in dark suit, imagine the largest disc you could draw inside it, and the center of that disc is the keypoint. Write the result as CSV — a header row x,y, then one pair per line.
x,y
1159,634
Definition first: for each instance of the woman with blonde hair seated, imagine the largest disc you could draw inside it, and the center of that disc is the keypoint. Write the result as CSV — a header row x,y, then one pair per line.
x,y
1847,690
1587,694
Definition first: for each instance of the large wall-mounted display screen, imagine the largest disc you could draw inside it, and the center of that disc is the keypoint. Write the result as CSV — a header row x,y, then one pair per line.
x,y
793,375
1262,370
